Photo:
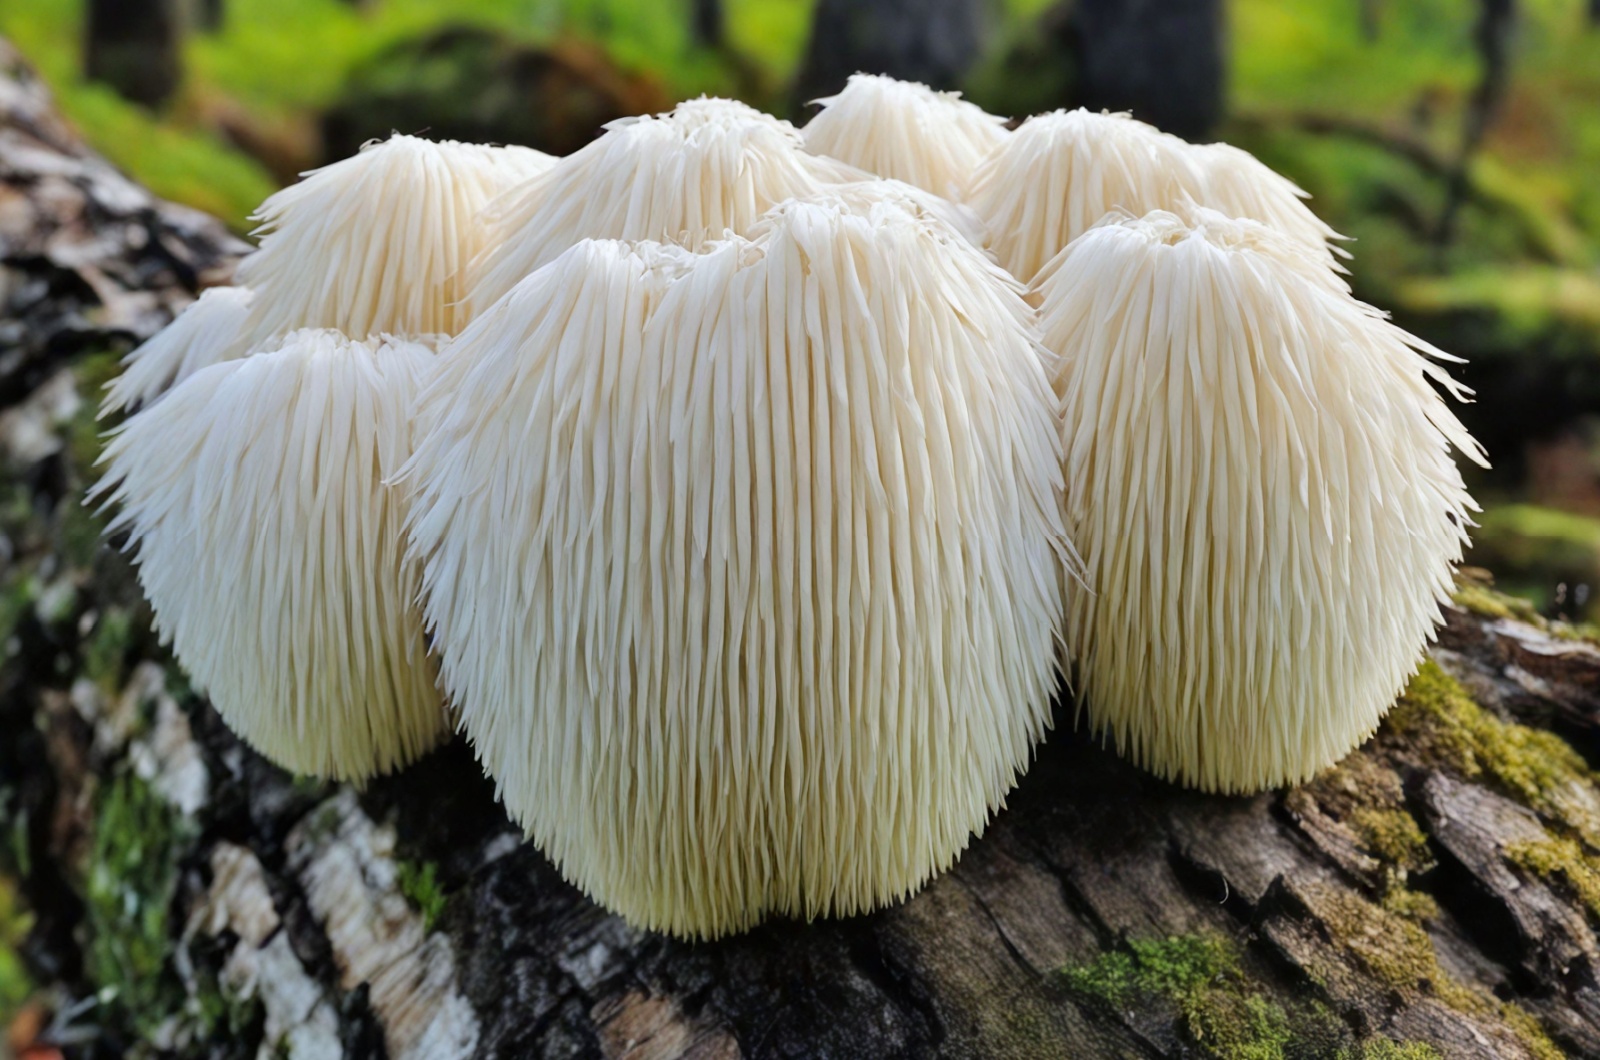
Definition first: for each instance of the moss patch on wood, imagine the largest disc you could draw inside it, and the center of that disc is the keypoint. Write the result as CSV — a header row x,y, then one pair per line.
x,y
1223,1013
128,890
1397,952
1437,718
419,882
1392,835
1563,864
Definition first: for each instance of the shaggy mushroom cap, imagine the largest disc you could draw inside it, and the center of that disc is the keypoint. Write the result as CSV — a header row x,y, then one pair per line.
x,y
379,243
206,332
272,553
370,245
1259,477
906,131
744,567
707,167
1059,174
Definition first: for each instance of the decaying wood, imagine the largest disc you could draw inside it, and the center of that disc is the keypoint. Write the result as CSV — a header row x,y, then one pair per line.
x,y
1434,895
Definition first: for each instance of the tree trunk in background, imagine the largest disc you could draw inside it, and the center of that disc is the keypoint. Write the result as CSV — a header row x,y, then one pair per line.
x,y
932,41
706,23
189,900
1161,59
209,15
135,46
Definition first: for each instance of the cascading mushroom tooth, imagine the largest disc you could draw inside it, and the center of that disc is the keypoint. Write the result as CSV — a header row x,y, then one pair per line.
x,y
208,331
1060,174
272,553
1259,478
708,167
743,565
906,131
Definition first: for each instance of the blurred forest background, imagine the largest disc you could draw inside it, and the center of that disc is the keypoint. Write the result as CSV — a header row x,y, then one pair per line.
x,y
1456,141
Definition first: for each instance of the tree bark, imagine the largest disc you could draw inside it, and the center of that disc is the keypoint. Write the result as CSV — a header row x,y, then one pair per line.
x,y
1161,59
707,23
1439,886
136,47
932,41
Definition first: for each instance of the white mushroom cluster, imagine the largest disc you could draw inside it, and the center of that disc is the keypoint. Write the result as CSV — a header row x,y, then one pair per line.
x,y
743,493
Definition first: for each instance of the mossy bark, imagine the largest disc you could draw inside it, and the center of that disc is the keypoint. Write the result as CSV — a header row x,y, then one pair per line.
x,y
165,892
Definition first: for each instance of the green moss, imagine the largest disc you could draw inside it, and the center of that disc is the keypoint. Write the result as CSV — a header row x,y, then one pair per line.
x,y
1385,1049
1168,967
1392,835
1486,603
1536,768
128,889
1222,1012
1398,953
420,884
18,592
1240,1026
223,1014
106,649
15,985
1563,864
1413,905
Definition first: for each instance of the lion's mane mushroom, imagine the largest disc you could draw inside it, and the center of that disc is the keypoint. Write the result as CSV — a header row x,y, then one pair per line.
x,y
905,131
744,566
203,334
272,553
379,242
374,244
1259,476
1060,173
707,167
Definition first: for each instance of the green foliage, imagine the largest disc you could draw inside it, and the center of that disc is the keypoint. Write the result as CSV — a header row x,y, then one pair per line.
x,y
128,889
15,986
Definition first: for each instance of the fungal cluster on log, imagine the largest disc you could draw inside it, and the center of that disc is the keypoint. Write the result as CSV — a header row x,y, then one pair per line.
x,y
746,494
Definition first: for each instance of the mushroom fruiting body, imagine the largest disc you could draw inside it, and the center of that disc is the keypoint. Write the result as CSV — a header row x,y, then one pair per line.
x,y
1059,174
905,131
743,566
272,553
379,243
688,176
1259,479
207,332
374,244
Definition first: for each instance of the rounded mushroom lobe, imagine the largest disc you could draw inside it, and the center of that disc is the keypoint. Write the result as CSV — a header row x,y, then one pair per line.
x,y
708,167
1259,476
272,552
1061,173
379,243
744,567
208,331
906,131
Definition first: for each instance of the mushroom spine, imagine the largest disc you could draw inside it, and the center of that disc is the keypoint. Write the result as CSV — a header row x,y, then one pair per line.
x,y
780,635
905,131
272,553
1059,174
1259,476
